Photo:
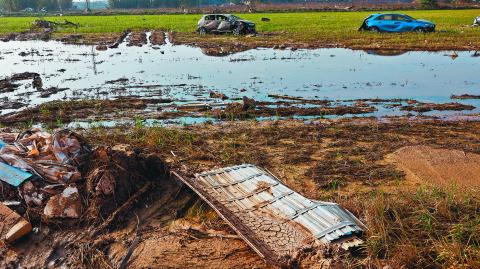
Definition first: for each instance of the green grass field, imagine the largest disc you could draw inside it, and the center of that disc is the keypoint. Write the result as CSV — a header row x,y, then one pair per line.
x,y
316,28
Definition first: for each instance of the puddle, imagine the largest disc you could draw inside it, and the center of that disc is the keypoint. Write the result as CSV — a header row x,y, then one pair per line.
x,y
186,75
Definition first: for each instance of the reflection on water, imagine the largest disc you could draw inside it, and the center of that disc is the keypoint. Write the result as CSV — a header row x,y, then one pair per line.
x,y
185,74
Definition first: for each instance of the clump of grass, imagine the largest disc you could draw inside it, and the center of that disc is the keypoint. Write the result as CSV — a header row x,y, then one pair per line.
x,y
200,212
430,228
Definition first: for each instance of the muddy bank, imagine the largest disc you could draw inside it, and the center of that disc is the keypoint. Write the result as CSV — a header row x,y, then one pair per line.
x,y
223,45
91,110
342,161
123,110
425,107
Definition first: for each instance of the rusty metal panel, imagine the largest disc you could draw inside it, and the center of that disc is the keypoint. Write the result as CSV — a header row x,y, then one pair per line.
x,y
274,220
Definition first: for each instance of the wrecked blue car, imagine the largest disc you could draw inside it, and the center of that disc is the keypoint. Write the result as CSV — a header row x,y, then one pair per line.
x,y
396,23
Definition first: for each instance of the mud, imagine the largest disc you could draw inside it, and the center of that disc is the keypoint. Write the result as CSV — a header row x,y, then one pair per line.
x,y
440,167
137,39
157,38
424,107
465,96
91,110
8,84
321,159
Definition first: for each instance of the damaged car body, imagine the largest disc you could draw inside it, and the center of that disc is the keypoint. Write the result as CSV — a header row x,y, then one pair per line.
x,y
396,23
225,23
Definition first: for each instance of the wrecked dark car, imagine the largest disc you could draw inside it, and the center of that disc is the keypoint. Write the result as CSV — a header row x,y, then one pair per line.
x,y
225,23
396,23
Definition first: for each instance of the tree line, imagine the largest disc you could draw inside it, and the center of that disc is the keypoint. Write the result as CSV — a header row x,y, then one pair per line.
x,y
157,3
36,5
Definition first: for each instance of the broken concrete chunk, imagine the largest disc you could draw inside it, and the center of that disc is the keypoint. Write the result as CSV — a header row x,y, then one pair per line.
x,y
64,205
12,225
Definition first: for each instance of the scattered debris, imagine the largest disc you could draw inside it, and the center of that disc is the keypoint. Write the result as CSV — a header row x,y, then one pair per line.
x,y
274,220
64,205
476,21
218,95
53,158
13,175
39,23
12,225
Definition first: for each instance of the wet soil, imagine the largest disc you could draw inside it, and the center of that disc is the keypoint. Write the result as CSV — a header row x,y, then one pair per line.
x,y
342,160
441,167
218,45
465,96
424,107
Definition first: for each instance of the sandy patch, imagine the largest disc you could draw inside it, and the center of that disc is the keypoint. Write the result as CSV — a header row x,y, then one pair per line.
x,y
444,167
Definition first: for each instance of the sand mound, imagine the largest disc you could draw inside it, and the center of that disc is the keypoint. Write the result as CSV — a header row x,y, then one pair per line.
x,y
440,166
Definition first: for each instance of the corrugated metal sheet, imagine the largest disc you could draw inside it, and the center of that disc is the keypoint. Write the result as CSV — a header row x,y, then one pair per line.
x,y
275,220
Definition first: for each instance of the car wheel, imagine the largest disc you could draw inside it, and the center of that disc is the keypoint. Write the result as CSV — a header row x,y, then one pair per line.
x,y
202,31
420,30
237,31
374,29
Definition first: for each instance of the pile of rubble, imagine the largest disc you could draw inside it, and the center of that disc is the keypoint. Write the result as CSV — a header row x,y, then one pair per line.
x,y
57,180
44,168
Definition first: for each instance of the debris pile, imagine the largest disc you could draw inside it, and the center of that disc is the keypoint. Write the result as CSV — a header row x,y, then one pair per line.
x,y
40,23
45,169
52,181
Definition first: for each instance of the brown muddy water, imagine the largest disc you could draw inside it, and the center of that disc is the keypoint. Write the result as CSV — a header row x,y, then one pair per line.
x,y
185,75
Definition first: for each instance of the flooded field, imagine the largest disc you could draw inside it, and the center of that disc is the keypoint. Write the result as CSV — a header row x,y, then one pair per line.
x,y
390,83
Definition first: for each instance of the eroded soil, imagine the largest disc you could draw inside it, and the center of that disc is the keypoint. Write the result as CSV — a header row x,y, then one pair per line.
x,y
346,161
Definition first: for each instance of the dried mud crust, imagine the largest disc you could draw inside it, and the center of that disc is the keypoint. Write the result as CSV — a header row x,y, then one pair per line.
x,y
443,167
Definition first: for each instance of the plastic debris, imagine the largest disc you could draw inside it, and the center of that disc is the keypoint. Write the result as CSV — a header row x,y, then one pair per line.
x,y
13,175
54,158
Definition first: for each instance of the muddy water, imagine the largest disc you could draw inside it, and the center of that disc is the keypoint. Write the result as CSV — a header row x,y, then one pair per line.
x,y
187,75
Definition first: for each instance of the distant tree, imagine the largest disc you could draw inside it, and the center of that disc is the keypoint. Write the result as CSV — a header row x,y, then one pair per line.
x,y
17,5
429,3
9,5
